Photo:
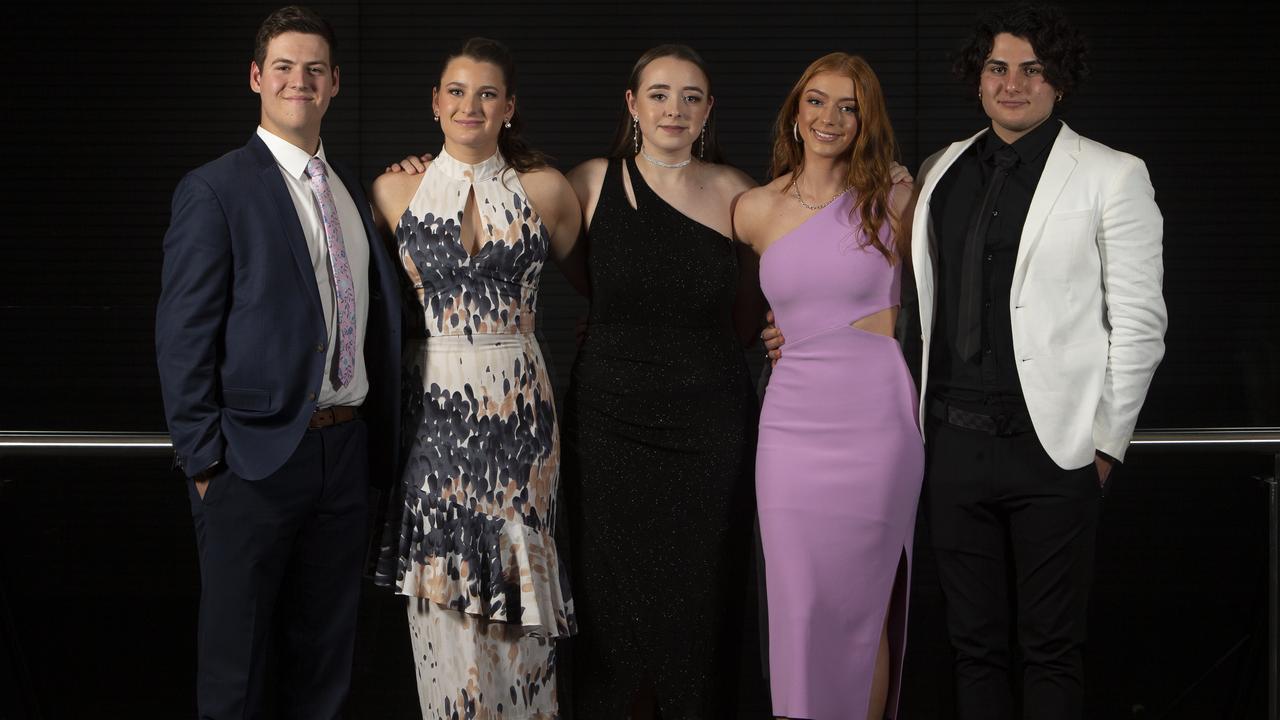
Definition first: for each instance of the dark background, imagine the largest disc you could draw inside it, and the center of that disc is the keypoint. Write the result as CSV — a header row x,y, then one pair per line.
x,y
106,105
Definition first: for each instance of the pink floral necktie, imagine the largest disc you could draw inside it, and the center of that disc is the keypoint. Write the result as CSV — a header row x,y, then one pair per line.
x,y
344,289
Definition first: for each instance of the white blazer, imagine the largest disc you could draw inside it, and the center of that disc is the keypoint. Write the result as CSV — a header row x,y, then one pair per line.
x,y
1086,307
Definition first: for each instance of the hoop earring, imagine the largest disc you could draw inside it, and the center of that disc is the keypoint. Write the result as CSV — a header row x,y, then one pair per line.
x,y
1059,97
702,142
635,134
795,132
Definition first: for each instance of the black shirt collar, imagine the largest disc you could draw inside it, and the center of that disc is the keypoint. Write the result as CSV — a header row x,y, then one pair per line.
x,y
1029,147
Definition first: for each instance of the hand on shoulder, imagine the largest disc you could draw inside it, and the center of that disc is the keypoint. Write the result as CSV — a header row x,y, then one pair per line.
x,y
391,193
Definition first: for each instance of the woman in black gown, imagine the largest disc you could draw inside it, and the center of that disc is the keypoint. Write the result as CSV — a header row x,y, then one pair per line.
x,y
659,422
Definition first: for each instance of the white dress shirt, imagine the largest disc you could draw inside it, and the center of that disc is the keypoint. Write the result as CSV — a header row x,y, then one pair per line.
x,y
292,161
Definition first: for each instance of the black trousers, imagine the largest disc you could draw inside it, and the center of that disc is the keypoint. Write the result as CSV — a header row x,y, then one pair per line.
x,y
1013,535
280,569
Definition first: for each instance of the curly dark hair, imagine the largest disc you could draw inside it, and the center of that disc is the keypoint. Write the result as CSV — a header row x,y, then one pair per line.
x,y
1059,45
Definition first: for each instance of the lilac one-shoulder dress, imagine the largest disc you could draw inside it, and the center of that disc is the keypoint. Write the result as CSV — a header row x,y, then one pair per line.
x,y
838,470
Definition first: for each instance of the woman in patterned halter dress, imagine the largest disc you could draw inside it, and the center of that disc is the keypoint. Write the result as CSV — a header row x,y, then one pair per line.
x,y
660,417
470,542
840,460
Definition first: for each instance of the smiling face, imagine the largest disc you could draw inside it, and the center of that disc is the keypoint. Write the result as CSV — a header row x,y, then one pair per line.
x,y
1015,94
827,119
472,103
671,105
296,84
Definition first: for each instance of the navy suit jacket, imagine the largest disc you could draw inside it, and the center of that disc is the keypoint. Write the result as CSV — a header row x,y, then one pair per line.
x,y
240,333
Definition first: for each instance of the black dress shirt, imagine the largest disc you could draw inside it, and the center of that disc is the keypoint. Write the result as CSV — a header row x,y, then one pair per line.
x,y
990,379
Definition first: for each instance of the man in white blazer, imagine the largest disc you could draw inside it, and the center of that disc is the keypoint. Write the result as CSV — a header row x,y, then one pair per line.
x,y
1037,258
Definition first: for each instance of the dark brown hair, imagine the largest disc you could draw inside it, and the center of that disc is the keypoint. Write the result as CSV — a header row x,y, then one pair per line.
x,y
624,143
294,18
871,153
511,142
1056,42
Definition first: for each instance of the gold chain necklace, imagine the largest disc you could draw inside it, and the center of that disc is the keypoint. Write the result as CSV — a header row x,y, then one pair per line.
x,y
795,187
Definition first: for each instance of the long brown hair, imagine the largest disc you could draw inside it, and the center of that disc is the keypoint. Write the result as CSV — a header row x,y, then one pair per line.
x,y
511,142
870,155
624,143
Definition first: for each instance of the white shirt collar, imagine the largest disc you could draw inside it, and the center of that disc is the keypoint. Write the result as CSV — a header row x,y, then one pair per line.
x,y
289,156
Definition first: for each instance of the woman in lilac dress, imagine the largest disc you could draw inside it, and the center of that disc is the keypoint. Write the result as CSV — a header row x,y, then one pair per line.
x,y
840,459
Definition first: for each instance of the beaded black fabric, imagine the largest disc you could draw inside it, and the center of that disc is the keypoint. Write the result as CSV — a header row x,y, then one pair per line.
x,y
659,442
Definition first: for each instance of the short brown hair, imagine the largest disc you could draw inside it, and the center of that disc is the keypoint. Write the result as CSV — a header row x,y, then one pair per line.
x,y
294,18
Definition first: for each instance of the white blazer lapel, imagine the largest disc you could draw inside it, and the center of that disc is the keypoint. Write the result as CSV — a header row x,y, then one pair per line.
x,y
924,245
1057,170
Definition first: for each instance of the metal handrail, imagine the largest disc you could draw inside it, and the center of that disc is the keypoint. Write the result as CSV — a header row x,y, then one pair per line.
x,y
22,442
49,442
1260,440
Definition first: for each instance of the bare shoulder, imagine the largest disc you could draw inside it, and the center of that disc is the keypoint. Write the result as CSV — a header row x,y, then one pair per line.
x,y
543,182
390,187
391,194
549,193
730,179
589,173
764,198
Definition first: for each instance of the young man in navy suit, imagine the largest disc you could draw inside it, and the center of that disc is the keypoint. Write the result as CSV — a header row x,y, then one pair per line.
x,y
277,341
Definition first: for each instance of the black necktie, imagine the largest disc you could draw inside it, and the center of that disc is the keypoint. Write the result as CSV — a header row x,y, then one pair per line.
x,y
969,322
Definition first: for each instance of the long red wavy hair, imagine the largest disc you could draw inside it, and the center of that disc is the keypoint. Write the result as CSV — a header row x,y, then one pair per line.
x,y
870,155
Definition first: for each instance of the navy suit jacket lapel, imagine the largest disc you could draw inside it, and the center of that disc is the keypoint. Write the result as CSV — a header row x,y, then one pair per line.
x,y
290,227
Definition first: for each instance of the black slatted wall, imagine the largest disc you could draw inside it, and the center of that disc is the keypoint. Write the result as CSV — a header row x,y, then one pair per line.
x,y
114,101
106,105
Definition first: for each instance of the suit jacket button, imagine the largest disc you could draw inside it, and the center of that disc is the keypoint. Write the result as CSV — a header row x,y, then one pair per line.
x,y
311,396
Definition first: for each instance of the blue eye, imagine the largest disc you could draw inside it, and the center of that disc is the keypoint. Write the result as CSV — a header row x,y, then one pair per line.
x,y
851,109
814,101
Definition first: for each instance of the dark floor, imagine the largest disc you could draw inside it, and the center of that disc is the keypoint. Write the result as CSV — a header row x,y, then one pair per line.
x,y
99,579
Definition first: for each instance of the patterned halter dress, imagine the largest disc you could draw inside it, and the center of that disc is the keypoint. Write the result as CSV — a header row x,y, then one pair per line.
x,y
471,543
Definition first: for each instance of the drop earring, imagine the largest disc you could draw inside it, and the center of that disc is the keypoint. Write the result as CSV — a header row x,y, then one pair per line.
x,y
435,117
635,133
702,142
507,124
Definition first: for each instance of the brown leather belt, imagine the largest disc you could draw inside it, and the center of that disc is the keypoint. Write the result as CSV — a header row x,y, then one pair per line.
x,y
336,415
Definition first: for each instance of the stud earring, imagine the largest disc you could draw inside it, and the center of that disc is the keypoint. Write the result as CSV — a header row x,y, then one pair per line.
x,y
635,133
979,94
795,130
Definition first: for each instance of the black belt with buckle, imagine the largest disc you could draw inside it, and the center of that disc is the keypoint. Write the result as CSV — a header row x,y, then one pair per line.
x,y
1000,424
